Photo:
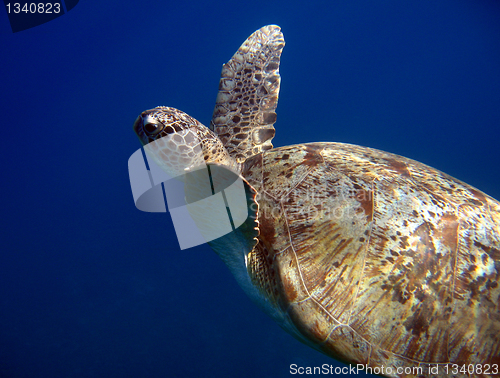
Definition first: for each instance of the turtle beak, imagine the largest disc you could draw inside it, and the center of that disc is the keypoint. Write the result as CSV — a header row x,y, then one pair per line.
x,y
139,129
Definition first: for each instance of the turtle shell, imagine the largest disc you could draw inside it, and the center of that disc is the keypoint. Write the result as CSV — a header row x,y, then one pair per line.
x,y
377,259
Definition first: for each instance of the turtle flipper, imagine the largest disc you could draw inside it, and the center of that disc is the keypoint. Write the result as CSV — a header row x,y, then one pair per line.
x,y
244,112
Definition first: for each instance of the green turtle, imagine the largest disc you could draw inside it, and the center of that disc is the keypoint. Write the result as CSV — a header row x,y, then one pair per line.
x,y
367,256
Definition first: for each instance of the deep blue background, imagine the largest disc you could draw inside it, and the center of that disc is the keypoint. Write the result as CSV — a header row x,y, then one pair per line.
x,y
92,287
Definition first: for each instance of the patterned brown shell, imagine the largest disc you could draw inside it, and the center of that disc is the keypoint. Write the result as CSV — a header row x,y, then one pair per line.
x,y
378,259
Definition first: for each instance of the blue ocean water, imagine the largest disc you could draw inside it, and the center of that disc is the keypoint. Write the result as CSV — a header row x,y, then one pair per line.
x,y
92,287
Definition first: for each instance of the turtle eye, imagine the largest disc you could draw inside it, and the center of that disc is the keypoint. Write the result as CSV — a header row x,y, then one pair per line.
x,y
153,128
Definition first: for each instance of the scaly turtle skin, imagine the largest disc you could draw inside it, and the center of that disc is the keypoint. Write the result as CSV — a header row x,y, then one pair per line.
x,y
369,257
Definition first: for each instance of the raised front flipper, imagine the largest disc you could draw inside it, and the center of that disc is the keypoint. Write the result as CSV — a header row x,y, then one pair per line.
x,y
244,112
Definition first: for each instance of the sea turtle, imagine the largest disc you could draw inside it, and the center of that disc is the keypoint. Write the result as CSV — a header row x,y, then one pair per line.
x,y
367,256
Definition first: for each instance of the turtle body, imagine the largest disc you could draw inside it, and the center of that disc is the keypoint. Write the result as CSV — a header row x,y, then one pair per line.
x,y
377,259
369,257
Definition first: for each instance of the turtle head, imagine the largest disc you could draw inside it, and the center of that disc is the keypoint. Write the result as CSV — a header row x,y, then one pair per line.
x,y
179,143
